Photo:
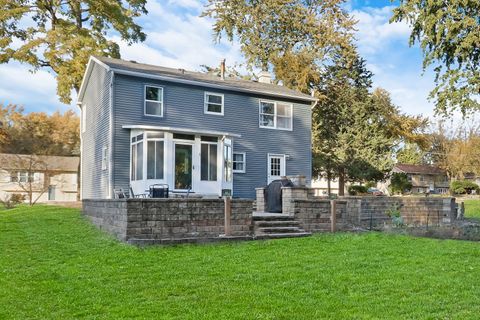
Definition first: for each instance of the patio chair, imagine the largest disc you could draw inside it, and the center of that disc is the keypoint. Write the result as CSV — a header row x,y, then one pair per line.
x,y
120,194
138,195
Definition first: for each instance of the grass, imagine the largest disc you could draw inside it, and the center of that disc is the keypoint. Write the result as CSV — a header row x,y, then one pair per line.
x,y
472,208
55,265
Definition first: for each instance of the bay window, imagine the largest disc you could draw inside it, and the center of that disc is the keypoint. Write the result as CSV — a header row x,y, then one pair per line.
x,y
155,155
137,157
227,158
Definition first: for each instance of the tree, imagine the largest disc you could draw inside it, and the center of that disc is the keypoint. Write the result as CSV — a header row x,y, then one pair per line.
x,y
355,131
399,183
449,35
39,133
308,45
410,154
61,34
295,38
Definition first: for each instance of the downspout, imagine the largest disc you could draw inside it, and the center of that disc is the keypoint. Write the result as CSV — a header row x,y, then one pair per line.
x,y
110,142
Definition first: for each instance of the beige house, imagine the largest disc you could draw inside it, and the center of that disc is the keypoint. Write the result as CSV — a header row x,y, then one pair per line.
x,y
50,178
425,178
320,184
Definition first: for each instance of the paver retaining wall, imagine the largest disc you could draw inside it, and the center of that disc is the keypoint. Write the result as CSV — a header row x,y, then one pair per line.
x,y
371,212
162,220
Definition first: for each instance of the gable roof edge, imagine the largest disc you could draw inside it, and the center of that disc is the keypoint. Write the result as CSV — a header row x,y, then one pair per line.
x,y
86,75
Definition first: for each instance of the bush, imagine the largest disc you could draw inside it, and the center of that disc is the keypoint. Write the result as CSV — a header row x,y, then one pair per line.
x,y
10,201
371,184
399,183
357,190
463,187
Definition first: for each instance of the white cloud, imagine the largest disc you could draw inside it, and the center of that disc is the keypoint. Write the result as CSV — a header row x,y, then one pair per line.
x,y
33,90
375,31
180,40
195,4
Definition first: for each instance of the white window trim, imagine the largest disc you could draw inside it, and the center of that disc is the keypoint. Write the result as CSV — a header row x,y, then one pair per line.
x,y
244,162
145,101
274,115
205,103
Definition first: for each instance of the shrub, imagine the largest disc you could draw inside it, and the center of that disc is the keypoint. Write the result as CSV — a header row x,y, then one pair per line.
x,y
394,213
370,184
463,187
10,201
357,190
399,183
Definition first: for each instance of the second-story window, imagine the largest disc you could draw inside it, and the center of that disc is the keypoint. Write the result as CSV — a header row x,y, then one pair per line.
x,y
276,115
213,103
153,101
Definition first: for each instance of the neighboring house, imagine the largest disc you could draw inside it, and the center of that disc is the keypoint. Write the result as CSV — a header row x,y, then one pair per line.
x,y
143,125
320,184
52,178
470,176
425,178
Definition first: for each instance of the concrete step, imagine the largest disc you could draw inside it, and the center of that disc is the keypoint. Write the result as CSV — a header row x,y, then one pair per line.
x,y
274,230
267,216
282,235
276,223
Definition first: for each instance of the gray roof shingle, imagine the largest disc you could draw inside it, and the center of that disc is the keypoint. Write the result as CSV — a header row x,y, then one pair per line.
x,y
419,169
208,79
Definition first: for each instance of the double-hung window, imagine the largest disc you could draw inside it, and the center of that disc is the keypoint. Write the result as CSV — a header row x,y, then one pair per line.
x,y
137,157
153,101
213,103
276,115
239,162
208,159
155,155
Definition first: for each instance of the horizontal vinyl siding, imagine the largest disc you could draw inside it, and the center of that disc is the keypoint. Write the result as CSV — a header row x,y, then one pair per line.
x,y
94,180
184,107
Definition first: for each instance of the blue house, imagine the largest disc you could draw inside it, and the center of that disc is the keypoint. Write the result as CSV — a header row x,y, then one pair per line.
x,y
143,125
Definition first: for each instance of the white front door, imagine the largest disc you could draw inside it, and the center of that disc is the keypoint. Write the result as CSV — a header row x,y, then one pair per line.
x,y
275,167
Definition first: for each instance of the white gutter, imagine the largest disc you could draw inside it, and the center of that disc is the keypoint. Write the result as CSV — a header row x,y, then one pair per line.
x,y
183,130
208,84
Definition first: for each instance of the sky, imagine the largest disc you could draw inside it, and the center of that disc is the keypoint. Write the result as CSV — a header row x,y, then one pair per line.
x,y
177,37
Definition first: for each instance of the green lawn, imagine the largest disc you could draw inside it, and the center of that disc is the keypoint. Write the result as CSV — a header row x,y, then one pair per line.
x,y
55,265
472,208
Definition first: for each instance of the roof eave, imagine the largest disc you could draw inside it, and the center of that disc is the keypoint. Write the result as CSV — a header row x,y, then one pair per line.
x,y
208,84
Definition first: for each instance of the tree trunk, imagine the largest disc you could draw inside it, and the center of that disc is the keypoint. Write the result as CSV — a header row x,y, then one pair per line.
x,y
341,182
329,186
